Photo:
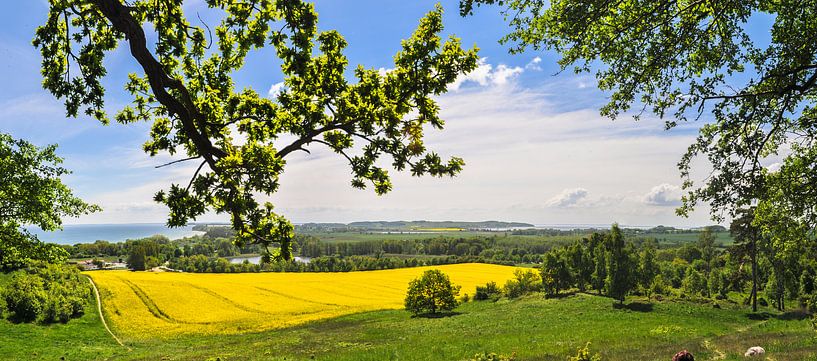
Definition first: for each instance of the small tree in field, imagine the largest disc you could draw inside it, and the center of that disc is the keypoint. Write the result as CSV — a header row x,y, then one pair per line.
x,y
431,293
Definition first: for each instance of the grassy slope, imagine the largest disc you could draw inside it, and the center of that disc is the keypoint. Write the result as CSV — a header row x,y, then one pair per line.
x,y
533,328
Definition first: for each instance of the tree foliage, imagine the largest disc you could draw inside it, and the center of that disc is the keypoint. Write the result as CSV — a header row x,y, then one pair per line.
x,y
690,60
240,138
648,268
46,293
621,266
555,273
32,193
431,293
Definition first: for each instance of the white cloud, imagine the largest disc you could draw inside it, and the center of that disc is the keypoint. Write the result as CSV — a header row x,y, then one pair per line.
x,y
384,71
503,74
275,89
664,194
534,64
487,75
568,198
774,167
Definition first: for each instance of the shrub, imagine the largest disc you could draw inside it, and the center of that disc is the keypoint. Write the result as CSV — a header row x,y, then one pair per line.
x,y
46,293
811,303
431,293
583,354
488,292
694,284
25,297
524,282
659,286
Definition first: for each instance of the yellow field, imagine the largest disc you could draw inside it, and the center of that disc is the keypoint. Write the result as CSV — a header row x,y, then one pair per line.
x,y
148,305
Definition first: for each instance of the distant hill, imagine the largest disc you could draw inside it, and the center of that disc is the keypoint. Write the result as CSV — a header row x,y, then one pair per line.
x,y
442,224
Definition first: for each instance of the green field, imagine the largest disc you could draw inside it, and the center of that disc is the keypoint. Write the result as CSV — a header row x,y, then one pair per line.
x,y
532,328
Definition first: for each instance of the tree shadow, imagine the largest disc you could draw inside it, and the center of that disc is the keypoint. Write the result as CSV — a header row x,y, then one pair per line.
x,y
796,315
562,295
634,306
758,316
437,315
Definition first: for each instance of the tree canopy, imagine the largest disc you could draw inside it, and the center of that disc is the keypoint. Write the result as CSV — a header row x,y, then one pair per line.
x,y
32,193
699,60
240,138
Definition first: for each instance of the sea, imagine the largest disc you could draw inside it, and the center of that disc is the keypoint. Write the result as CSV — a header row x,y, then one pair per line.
x,y
89,233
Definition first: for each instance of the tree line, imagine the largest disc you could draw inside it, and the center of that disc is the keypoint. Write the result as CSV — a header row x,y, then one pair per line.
x,y
607,264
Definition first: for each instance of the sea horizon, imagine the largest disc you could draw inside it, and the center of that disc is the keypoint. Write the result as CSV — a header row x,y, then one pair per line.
x,y
120,232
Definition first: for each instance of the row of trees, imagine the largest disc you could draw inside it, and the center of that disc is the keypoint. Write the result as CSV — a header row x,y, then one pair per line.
x,y
609,265
203,264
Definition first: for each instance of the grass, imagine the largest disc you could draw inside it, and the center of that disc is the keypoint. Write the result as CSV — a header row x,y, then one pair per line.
x,y
533,328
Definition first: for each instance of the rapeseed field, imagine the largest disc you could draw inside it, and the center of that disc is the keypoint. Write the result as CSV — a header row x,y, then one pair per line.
x,y
144,305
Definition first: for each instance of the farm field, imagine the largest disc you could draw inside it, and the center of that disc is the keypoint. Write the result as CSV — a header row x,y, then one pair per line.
x,y
147,305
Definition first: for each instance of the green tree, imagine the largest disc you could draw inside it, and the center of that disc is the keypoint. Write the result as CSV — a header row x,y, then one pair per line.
x,y
522,283
746,236
235,135
580,264
137,258
32,193
808,285
694,284
688,60
599,276
706,243
621,267
774,289
431,293
555,273
718,283
648,268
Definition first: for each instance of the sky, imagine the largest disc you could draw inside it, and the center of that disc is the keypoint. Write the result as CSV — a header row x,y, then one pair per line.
x,y
535,147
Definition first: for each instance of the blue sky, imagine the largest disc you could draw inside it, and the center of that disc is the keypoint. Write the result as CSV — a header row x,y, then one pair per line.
x,y
535,147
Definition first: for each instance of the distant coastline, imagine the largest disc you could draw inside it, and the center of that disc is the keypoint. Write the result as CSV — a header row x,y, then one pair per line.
x,y
89,233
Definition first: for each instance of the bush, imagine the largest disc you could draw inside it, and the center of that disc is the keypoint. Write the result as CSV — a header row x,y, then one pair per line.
x,y
694,284
659,287
46,293
489,292
524,282
431,293
25,297
811,303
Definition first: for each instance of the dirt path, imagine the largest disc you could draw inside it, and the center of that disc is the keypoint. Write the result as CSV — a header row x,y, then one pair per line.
x,y
101,316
